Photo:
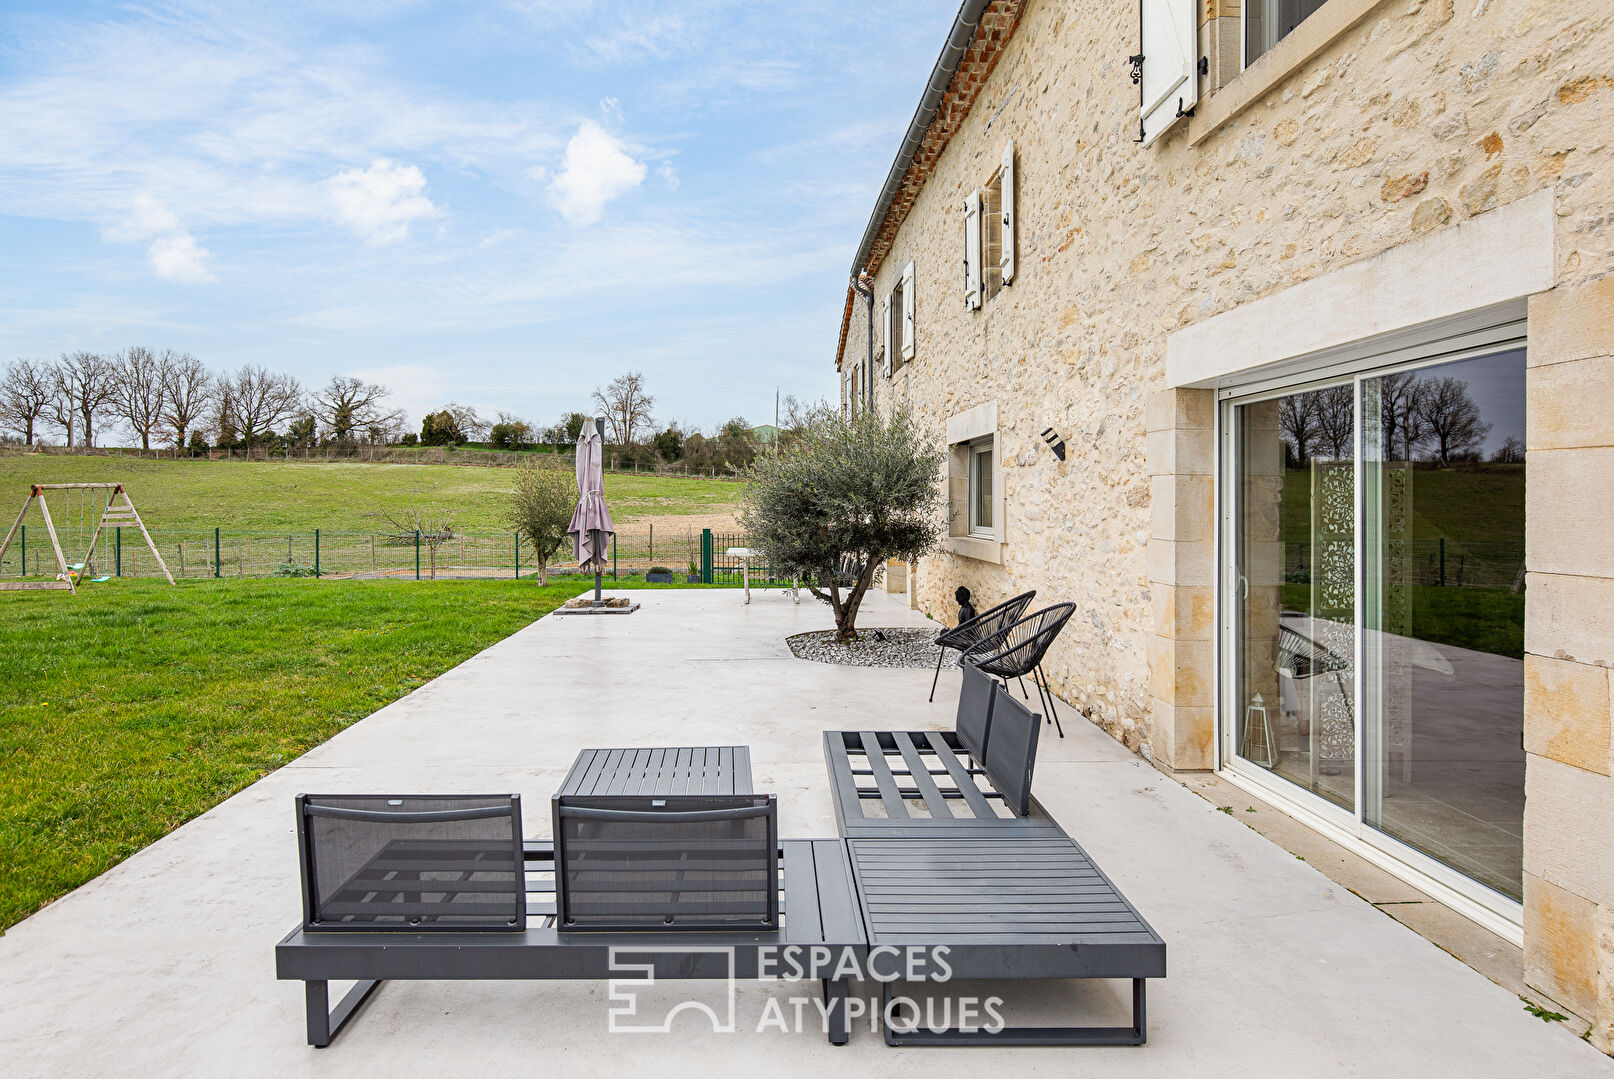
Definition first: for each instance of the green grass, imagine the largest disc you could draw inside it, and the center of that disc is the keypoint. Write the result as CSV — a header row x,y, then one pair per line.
x,y
129,710
183,495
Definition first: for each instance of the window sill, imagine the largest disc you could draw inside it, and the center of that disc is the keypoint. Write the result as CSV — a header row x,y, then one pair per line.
x,y
1320,30
982,550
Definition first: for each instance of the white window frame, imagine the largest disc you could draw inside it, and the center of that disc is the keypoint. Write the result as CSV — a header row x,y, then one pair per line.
x,y
1437,344
981,448
965,432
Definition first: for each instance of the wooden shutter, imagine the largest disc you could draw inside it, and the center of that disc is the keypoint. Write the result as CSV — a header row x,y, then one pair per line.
x,y
907,312
972,250
1006,204
885,330
1170,84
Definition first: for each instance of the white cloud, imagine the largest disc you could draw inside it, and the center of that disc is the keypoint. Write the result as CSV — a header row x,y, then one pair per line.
x,y
379,202
147,218
596,170
177,256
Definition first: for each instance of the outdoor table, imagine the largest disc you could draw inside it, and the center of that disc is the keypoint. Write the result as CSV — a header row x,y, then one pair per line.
x,y
745,554
667,770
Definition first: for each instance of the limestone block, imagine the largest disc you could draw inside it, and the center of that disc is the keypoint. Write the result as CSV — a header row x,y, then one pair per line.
x,y
1574,489
1182,508
1184,612
1183,737
1568,617
1568,817
1569,404
1566,712
1559,957
1572,322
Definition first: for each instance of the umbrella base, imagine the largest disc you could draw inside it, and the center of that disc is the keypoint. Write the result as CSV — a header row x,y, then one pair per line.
x,y
587,605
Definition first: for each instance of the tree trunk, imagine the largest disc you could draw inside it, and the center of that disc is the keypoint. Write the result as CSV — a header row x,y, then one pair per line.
x,y
846,612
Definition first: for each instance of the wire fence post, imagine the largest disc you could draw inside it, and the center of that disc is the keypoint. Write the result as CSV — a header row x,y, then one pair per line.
x,y
24,572
316,553
117,536
613,556
652,545
215,552
706,556
417,554
518,556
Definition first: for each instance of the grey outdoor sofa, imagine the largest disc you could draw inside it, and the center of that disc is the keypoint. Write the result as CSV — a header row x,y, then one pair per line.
x,y
444,887
948,847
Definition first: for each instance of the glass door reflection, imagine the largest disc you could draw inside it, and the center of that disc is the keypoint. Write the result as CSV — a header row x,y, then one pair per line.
x,y
1295,599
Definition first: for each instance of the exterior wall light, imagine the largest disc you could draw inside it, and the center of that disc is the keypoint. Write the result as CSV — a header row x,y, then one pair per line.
x,y
1055,442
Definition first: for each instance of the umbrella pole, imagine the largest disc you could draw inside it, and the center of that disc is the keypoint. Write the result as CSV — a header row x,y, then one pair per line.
x,y
597,567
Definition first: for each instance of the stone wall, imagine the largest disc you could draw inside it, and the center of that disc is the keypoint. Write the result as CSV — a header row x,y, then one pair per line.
x,y
1407,118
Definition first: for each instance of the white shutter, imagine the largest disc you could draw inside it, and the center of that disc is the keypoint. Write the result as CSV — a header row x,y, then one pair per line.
x,y
885,332
1170,84
907,312
972,250
1006,201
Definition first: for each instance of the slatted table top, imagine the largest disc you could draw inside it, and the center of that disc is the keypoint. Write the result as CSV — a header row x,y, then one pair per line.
x,y
665,770
1033,907
917,783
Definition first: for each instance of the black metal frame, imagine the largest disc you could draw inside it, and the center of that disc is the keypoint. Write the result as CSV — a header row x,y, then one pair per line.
x,y
1017,650
665,809
822,921
985,624
307,807
1136,1034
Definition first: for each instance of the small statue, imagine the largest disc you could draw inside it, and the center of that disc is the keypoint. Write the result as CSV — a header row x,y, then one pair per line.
x,y
965,611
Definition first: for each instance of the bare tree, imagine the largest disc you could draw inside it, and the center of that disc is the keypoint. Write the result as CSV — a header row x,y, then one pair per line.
x,y
256,399
91,382
1399,416
1451,418
626,406
431,525
1336,421
25,391
187,391
1297,417
139,402
63,401
472,426
347,406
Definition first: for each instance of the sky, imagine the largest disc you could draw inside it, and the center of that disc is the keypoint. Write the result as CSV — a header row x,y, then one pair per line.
x,y
503,203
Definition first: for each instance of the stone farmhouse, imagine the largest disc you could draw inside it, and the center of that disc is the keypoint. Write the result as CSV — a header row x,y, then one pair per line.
x,y
1278,335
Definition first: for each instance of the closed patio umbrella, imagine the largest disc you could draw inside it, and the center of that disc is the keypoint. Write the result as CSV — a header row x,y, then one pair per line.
x,y
591,521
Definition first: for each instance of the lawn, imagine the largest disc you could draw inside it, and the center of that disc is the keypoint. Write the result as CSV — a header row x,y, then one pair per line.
x,y
248,496
129,710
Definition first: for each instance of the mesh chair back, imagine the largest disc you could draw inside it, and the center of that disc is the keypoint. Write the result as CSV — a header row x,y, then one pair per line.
x,y
975,711
1011,755
671,862
987,622
1016,650
411,862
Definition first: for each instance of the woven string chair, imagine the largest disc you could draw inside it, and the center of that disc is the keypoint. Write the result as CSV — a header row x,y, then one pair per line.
x,y
985,624
1017,650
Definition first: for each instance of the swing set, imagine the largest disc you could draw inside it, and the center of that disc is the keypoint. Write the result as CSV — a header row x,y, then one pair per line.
x,y
113,512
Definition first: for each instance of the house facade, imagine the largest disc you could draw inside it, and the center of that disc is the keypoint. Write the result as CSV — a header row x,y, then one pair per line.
x,y
1279,338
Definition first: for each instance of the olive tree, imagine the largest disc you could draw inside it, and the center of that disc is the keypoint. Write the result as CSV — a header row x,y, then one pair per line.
x,y
540,508
849,493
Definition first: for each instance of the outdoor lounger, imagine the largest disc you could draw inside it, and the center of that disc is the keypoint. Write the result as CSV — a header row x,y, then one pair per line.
x,y
960,854
443,887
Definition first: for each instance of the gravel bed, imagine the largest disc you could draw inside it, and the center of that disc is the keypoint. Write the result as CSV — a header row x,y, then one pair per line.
x,y
901,648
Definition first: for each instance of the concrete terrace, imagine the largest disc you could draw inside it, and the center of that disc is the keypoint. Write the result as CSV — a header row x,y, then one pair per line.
x,y
164,965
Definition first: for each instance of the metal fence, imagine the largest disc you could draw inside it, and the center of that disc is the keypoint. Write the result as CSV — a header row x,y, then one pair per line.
x,y
224,552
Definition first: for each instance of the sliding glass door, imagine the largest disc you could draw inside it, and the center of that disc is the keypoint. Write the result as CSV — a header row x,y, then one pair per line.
x,y
1373,599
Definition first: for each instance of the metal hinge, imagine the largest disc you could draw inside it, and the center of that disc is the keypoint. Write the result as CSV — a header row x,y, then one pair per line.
x,y
1137,67
1182,111
1204,65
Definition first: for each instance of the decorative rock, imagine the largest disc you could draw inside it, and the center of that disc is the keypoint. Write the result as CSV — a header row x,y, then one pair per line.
x,y
1479,194
1399,187
901,648
1431,214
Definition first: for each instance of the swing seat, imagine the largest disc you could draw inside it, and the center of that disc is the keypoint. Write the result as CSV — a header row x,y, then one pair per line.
x,y
99,580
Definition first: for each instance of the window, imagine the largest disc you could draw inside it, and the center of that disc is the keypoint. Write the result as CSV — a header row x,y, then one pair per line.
x,y
1267,22
897,322
989,234
980,489
1375,603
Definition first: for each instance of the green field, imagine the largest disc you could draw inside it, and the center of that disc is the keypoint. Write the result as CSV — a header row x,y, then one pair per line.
x,y
183,495
129,710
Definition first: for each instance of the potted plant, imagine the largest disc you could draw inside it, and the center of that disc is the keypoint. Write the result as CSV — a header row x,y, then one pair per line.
x,y
694,573
659,575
